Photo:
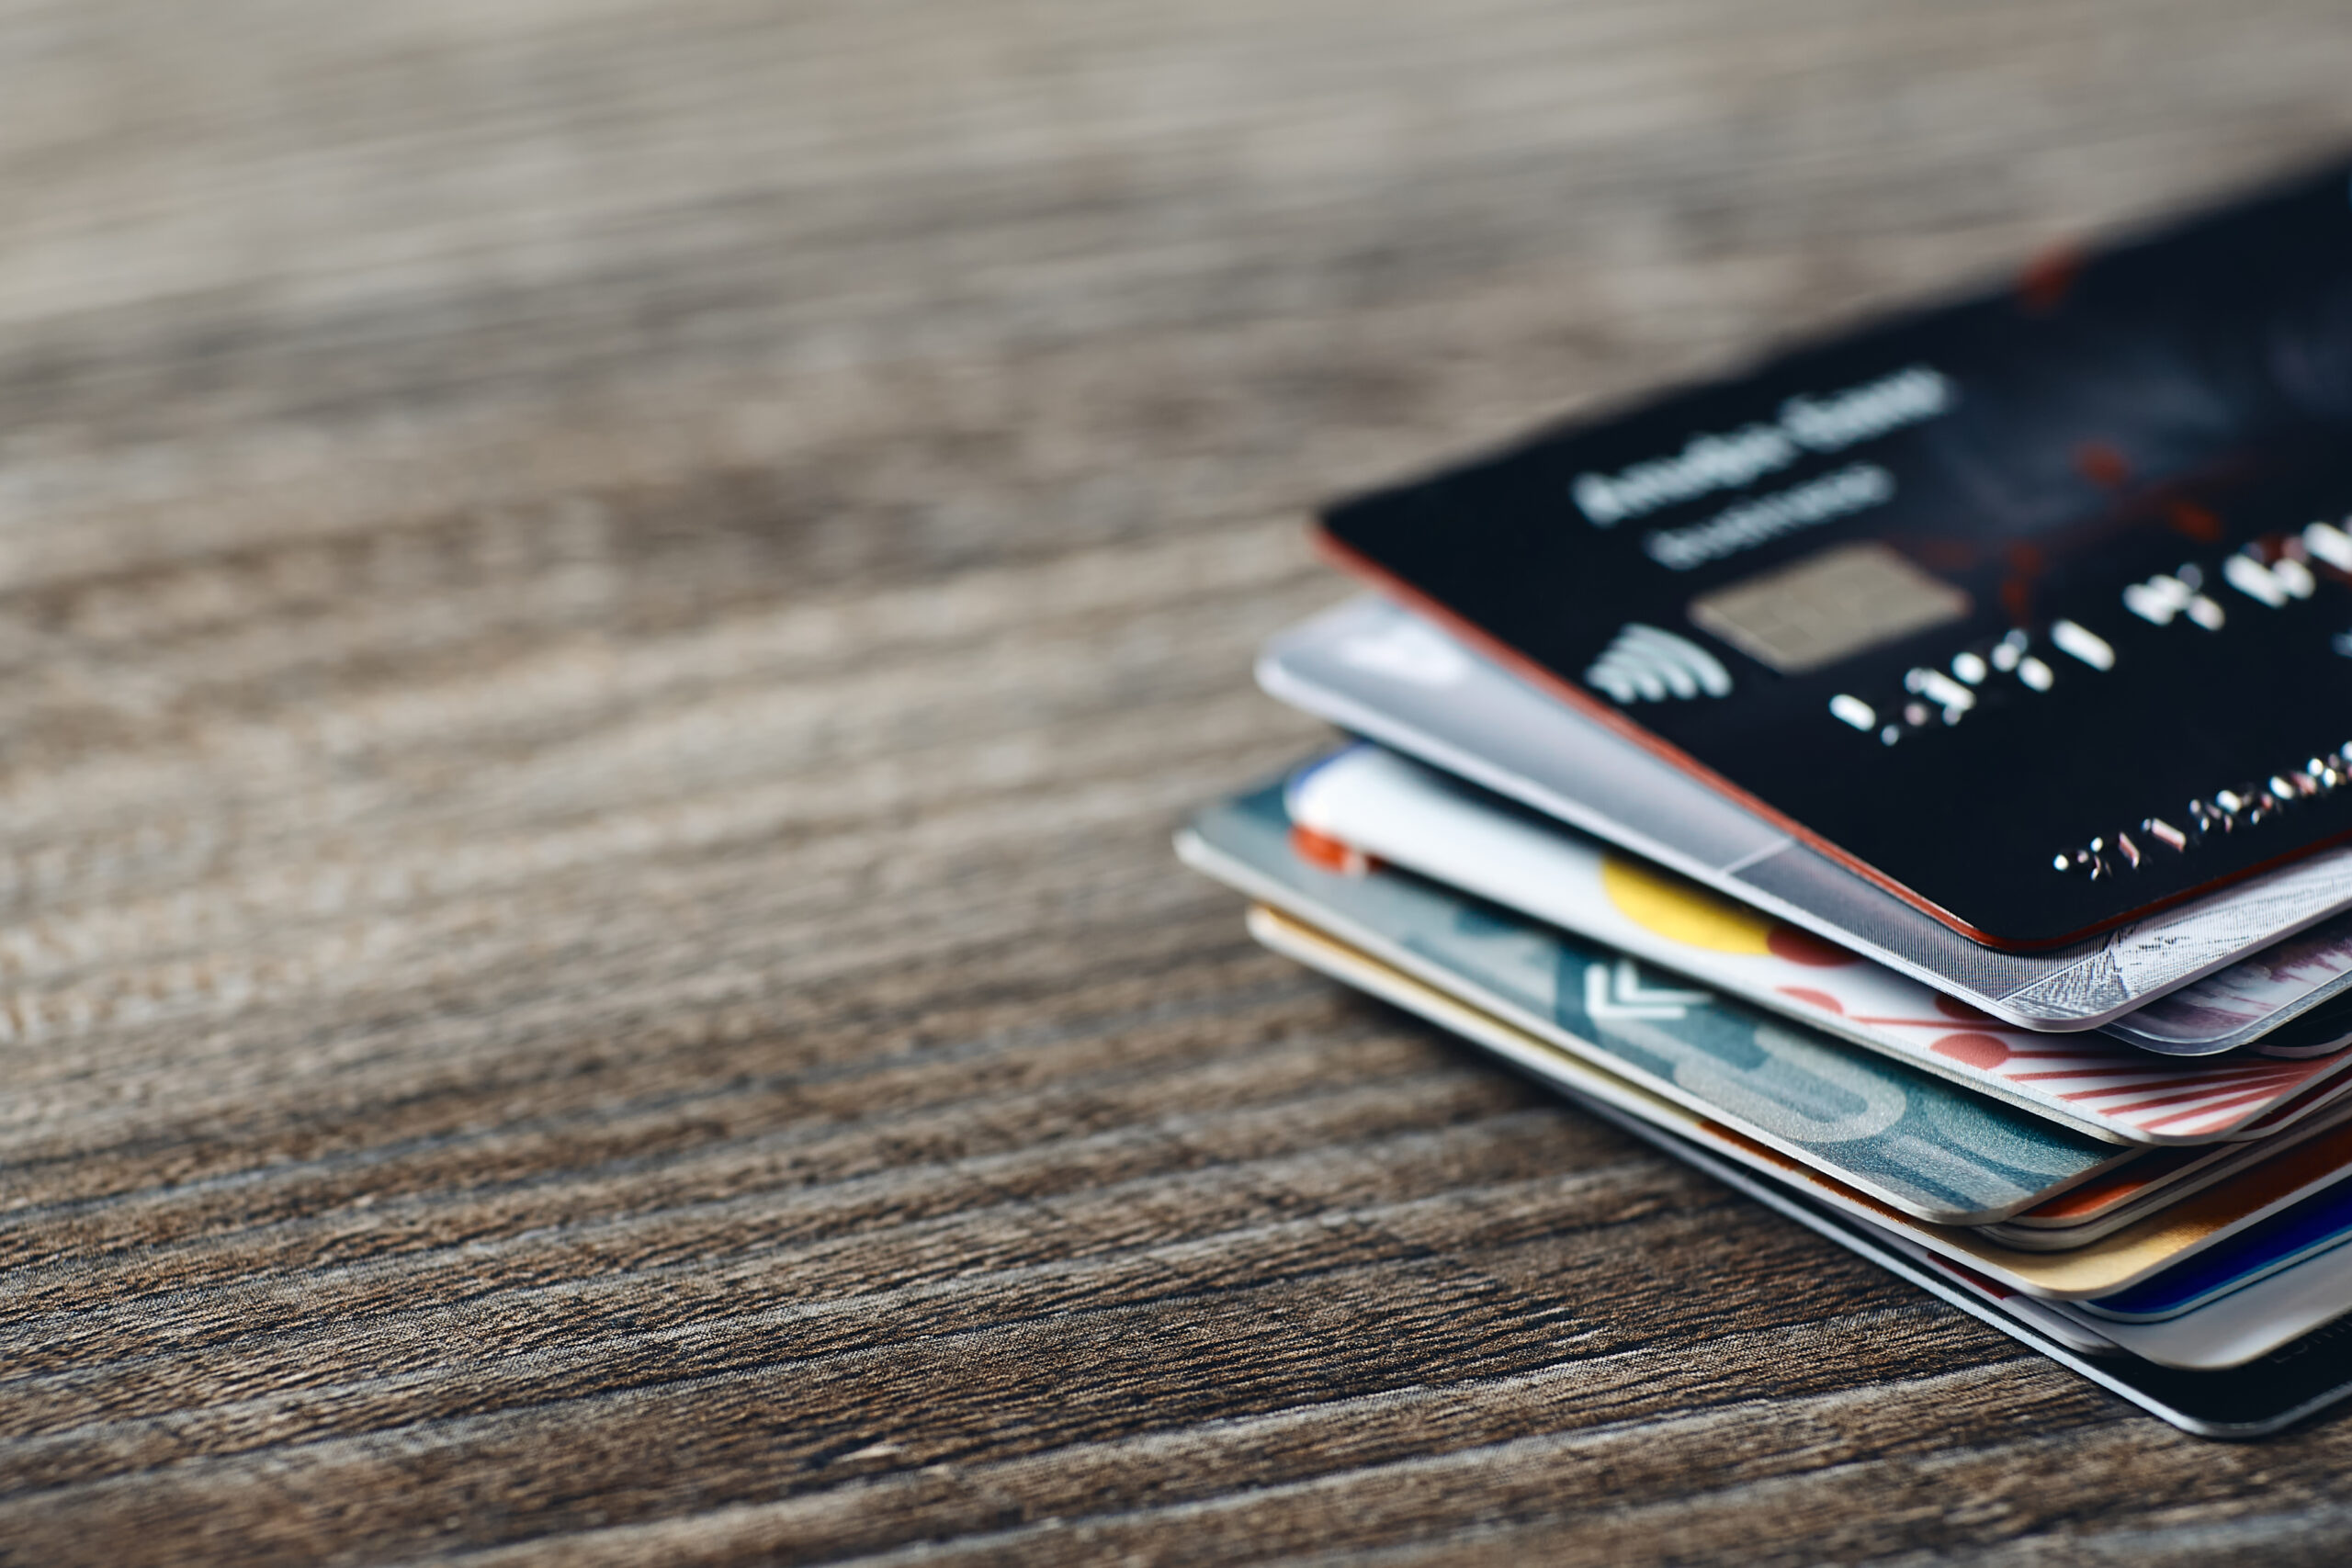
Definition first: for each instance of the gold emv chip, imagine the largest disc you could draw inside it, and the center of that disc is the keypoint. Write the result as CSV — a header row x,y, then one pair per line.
x,y
1819,610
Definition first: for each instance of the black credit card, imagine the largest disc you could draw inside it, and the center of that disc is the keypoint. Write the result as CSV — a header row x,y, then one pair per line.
x,y
2035,609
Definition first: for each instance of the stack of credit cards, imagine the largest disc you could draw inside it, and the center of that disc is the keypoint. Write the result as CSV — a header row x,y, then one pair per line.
x,y
1912,781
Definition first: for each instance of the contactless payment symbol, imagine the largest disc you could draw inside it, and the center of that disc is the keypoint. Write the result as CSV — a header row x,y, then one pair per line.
x,y
1644,664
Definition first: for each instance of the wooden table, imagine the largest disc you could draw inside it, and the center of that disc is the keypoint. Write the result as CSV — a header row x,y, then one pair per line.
x,y
608,610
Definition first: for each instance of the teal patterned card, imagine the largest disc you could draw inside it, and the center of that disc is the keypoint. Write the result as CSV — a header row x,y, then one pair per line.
x,y
1928,1148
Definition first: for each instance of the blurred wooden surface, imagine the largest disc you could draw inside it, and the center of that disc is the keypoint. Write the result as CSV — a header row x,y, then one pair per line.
x,y
607,610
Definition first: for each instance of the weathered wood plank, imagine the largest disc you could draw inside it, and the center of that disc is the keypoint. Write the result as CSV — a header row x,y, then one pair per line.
x,y
606,609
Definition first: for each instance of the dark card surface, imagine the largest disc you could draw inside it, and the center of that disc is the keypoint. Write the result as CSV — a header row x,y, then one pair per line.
x,y
2036,609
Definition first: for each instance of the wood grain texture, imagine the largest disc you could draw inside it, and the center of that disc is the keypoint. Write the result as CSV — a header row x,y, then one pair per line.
x,y
607,610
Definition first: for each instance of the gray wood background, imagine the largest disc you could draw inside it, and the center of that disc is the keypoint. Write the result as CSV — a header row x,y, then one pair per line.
x,y
607,608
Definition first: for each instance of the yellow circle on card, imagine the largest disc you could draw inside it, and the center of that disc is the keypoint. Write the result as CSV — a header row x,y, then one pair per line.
x,y
1682,911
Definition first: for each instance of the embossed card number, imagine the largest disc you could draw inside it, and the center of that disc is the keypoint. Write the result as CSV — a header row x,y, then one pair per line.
x,y
2036,609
